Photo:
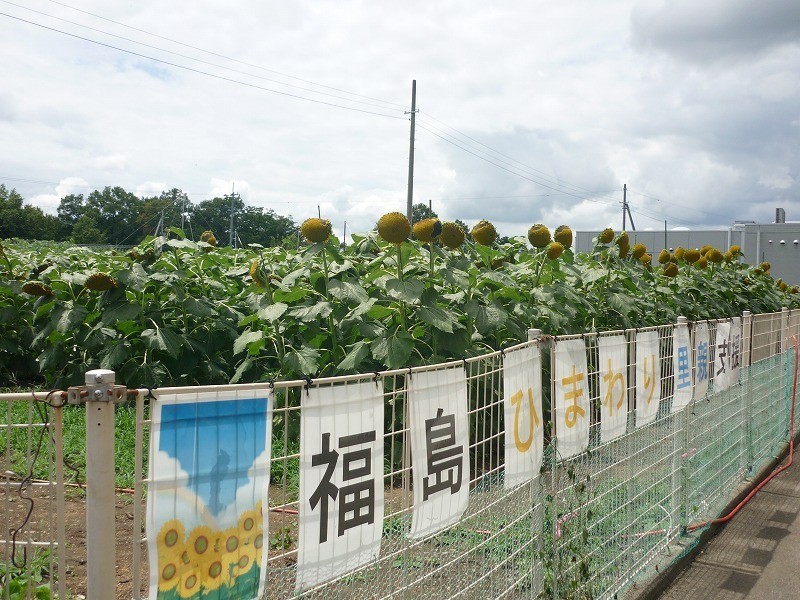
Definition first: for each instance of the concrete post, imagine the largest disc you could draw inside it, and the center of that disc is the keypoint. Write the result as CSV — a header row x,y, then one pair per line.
x,y
100,494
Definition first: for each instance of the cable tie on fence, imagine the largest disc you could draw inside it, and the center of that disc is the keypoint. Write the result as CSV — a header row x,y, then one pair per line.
x,y
503,352
376,376
309,382
271,383
149,394
410,372
464,362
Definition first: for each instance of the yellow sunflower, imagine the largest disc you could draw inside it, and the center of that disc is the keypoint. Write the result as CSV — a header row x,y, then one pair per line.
x,y
639,250
484,233
679,252
664,256
316,230
427,230
171,536
735,250
37,288
728,256
646,259
100,282
201,545
394,227
256,273
714,255
606,236
670,269
215,574
170,572
539,235
563,235
452,235
701,262
554,250
189,585
243,560
692,256
208,237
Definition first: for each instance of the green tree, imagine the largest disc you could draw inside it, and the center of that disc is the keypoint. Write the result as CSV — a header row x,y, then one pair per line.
x,y
420,212
215,215
21,220
85,231
173,203
115,212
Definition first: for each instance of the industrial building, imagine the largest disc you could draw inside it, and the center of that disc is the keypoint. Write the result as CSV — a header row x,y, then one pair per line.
x,y
777,243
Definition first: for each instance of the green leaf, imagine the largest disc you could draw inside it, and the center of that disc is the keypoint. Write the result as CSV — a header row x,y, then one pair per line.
x,y
355,356
71,317
123,311
394,350
241,369
408,290
117,352
173,243
293,295
379,311
303,361
163,339
437,317
135,277
347,291
198,308
320,310
273,312
247,338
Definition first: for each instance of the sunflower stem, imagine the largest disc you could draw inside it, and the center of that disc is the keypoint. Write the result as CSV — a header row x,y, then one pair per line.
x,y
400,277
539,270
334,337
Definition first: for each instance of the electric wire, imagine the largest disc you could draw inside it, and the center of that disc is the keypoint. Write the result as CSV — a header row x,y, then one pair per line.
x,y
205,62
200,71
209,52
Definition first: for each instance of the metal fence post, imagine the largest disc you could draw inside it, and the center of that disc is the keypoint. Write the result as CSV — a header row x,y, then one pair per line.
x,y
679,444
746,351
100,494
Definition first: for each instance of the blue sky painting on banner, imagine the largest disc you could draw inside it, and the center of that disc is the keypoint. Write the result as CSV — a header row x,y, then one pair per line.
x,y
209,475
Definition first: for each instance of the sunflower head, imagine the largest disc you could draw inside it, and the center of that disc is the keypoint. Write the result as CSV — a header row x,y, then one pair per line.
x,y
715,256
793,289
623,239
646,259
554,250
606,236
765,266
664,256
394,227
257,274
728,256
208,237
670,269
427,230
37,288
452,235
639,250
701,263
539,235
563,236
758,271
783,286
679,252
735,249
705,249
624,249
692,256
316,230
484,233
100,282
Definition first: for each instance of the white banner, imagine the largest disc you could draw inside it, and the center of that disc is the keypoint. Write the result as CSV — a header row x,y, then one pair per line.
x,y
736,349
722,359
701,357
572,398
681,367
341,480
207,499
648,377
613,377
437,403
522,400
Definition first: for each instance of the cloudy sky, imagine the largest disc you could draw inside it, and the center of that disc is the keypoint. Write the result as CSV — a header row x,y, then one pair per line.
x,y
529,111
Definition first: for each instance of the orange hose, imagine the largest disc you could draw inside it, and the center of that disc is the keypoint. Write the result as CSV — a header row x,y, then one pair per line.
x,y
776,472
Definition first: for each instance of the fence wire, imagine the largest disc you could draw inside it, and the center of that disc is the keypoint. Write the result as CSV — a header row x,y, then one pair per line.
x,y
585,527
32,497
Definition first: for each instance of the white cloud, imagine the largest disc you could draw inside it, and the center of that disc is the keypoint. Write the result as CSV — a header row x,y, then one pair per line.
x,y
691,103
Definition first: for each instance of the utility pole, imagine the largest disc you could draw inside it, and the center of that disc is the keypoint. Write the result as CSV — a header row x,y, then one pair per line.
x,y
411,150
626,209
233,196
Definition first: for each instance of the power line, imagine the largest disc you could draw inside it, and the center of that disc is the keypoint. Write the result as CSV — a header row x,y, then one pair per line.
x,y
174,41
500,166
190,57
200,72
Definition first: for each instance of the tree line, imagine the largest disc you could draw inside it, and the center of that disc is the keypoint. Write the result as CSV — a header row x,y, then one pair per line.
x,y
118,217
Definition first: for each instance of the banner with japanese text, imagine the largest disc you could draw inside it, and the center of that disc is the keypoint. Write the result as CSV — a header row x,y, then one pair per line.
x,y
437,402
522,401
648,377
613,377
572,397
209,477
736,349
681,367
722,361
341,480
702,358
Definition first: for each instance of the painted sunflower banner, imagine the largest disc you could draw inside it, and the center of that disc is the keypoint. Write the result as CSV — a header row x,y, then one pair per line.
x,y
209,477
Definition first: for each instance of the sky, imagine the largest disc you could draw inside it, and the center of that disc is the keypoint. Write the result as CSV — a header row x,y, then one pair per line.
x,y
529,111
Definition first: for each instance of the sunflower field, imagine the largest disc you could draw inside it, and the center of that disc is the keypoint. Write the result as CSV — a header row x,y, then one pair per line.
x,y
176,312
